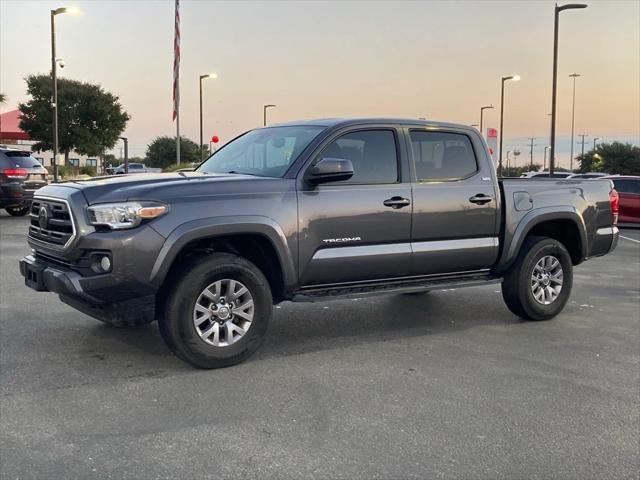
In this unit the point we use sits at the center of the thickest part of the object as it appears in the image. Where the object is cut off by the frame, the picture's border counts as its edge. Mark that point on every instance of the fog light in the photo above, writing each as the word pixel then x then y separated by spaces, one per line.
pixel 105 264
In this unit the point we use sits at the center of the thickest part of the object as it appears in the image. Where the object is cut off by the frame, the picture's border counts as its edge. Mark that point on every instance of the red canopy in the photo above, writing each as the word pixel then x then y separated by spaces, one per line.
pixel 10 126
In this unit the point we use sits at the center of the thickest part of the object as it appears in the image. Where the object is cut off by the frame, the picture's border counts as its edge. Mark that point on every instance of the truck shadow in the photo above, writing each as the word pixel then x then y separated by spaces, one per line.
pixel 303 328
pixel 299 328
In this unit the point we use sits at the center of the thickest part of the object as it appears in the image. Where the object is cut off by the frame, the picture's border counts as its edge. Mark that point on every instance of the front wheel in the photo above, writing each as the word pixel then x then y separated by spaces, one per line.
pixel 538 285
pixel 217 311
pixel 17 211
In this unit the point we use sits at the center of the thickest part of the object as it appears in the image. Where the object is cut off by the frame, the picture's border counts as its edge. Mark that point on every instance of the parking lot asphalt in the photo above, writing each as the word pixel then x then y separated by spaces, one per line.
pixel 444 385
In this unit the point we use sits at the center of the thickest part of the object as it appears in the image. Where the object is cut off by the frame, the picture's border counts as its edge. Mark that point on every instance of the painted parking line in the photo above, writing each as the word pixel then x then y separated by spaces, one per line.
pixel 630 239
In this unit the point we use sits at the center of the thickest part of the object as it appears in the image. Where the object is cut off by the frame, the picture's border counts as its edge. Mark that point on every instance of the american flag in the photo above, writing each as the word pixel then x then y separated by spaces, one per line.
pixel 176 63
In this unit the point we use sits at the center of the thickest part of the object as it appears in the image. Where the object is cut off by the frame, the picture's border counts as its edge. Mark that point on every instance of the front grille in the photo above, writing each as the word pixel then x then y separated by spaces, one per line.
pixel 51 222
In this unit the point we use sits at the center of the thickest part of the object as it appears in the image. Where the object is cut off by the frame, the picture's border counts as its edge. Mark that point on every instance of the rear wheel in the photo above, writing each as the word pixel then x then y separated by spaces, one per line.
pixel 539 283
pixel 217 311
pixel 17 211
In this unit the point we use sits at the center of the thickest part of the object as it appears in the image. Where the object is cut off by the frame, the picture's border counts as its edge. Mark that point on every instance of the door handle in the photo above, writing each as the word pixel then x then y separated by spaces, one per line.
pixel 396 202
pixel 481 199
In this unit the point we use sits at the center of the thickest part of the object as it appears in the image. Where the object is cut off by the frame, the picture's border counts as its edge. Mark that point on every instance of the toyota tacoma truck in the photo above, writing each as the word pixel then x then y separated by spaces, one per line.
pixel 309 211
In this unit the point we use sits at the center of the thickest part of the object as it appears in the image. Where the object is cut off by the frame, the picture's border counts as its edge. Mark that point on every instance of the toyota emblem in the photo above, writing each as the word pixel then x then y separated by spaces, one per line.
pixel 43 217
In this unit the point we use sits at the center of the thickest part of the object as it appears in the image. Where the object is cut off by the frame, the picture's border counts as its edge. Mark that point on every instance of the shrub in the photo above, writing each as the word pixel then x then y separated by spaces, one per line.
pixel 91 171
pixel 178 166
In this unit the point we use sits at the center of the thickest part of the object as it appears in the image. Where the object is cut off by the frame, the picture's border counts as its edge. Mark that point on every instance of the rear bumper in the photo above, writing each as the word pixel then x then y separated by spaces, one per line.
pixel 14 194
pixel 604 241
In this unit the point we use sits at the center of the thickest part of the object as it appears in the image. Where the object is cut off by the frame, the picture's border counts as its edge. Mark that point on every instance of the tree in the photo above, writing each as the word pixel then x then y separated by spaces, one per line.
pixel 3 98
pixel 110 160
pixel 614 158
pixel 161 153
pixel 90 119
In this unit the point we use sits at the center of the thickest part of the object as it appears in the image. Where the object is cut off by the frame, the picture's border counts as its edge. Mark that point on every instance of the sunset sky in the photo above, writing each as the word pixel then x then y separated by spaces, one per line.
pixel 440 60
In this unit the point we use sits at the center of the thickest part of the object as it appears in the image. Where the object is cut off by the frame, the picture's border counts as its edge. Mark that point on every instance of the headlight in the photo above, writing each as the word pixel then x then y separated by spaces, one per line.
pixel 118 216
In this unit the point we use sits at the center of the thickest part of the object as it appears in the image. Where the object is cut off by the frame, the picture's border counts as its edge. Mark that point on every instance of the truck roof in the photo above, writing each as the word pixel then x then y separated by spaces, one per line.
pixel 345 122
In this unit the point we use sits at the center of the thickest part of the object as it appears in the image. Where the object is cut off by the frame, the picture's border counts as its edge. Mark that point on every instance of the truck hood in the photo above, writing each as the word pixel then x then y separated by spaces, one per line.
pixel 160 186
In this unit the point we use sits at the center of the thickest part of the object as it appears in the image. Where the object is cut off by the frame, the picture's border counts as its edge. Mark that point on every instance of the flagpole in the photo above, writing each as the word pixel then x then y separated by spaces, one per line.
pixel 178 137
pixel 176 79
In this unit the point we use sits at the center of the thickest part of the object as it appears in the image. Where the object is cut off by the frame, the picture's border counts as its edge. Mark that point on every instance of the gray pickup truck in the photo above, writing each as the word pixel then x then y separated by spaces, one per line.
pixel 309 211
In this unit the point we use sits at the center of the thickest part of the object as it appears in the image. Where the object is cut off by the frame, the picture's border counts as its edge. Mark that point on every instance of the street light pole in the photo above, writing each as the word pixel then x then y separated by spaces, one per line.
pixel 126 154
pixel 54 96
pixel 482 109
pixel 595 139
pixel 202 77
pixel 544 161
pixel 531 152
pixel 515 78
pixel 573 117
pixel 557 10
pixel 54 85
pixel 264 114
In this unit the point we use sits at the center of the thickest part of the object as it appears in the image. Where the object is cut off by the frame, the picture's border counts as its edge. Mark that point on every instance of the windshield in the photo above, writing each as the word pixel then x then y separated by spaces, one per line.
pixel 266 152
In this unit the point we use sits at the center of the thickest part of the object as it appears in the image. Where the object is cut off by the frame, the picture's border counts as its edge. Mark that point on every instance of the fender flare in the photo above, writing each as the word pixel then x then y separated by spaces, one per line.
pixel 219 226
pixel 536 217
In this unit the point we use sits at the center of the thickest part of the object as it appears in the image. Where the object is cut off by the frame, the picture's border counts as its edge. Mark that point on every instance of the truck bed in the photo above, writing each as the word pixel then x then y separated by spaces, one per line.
pixel 585 201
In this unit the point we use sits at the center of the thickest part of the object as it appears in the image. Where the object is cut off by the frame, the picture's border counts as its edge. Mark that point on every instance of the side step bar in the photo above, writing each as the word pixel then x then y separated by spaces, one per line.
pixel 406 286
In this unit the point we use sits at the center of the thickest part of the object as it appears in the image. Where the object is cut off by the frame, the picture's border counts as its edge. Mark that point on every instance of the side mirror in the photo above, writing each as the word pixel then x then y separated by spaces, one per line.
pixel 330 170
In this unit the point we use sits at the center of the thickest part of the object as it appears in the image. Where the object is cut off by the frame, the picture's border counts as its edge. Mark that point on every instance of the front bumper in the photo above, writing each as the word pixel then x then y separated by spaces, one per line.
pixel 86 294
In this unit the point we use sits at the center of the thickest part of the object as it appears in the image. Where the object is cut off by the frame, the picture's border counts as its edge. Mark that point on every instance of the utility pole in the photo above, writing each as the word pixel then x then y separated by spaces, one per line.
pixel 583 142
pixel 531 152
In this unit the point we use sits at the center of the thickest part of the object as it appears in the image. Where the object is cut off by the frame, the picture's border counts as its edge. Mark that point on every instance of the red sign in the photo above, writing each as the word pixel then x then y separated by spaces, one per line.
pixel 492 133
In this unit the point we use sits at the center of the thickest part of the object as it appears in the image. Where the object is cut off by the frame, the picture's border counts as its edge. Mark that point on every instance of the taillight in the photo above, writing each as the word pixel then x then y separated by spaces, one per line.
pixel 14 172
pixel 614 199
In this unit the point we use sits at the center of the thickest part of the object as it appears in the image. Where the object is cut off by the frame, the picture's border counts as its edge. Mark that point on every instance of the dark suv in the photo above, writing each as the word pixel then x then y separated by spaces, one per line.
pixel 20 176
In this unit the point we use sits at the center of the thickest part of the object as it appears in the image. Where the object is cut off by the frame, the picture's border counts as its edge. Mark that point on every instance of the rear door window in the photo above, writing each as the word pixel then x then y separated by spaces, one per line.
pixel 442 156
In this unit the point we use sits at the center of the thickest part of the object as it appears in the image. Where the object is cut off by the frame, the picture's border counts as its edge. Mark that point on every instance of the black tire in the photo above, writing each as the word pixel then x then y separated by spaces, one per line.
pixel 17 211
pixel 176 315
pixel 517 288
